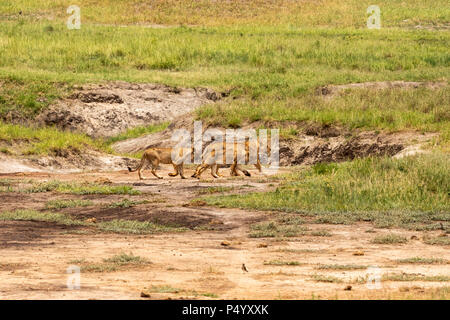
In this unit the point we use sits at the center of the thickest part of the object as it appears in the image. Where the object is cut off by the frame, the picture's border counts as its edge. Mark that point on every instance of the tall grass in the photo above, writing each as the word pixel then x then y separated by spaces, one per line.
pixel 47 140
pixel 335 13
pixel 406 192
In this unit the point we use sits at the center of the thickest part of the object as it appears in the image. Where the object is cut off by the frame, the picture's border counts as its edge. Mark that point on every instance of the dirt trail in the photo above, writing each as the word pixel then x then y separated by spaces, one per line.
pixel 204 262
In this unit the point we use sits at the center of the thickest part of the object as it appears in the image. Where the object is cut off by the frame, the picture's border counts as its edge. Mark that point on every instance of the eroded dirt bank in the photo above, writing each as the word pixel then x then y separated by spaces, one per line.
pixel 106 110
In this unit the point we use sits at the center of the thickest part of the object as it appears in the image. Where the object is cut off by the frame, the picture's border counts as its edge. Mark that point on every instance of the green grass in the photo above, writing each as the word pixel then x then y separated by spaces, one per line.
pixel 71 203
pixel 32 215
pixel 281 263
pixel 327 279
pixel 211 190
pixel 283 226
pixel 114 263
pixel 321 233
pixel 126 203
pixel 164 289
pixel 137 132
pixel 126 259
pixel 80 188
pixel 136 227
pixel 444 241
pixel 271 55
pixel 404 192
pixel 389 239
pixel 341 267
pixel 47 140
pixel 414 277
pixel 421 260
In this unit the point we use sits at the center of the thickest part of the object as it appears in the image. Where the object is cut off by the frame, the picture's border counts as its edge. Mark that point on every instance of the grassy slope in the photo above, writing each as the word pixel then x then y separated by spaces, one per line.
pixel 273 70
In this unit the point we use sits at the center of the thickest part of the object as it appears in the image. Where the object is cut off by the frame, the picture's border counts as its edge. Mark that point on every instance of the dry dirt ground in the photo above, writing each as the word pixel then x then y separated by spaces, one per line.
pixel 203 262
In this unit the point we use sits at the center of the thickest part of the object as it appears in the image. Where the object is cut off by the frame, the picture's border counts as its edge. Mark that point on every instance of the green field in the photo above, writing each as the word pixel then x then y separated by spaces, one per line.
pixel 271 56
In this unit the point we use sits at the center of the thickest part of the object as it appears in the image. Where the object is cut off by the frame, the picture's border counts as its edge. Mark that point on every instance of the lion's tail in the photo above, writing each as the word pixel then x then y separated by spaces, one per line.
pixel 138 167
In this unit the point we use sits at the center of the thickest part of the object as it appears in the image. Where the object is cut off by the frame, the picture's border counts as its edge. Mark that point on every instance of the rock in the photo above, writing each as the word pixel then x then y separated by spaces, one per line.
pixel 348 288
pixel 358 253
pixel 225 243
pixel 262 245
pixel 145 294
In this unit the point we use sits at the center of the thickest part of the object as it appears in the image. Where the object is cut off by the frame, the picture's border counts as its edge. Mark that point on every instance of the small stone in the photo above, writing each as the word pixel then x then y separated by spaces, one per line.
pixel 262 245
pixel 358 253
pixel 225 243
pixel 348 288
pixel 145 294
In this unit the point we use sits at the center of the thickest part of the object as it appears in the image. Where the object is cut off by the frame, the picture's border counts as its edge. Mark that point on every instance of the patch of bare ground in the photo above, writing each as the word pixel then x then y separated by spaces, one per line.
pixel 204 261
pixel 108 109
pixel 309 149
pixel 65 161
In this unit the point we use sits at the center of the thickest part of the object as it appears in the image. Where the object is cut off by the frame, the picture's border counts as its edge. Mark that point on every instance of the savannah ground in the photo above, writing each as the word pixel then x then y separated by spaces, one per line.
pixel 311 231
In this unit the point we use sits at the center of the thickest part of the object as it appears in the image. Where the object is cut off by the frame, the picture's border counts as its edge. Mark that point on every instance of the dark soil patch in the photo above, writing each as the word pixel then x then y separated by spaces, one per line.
pixel 23 233
pixel 172 216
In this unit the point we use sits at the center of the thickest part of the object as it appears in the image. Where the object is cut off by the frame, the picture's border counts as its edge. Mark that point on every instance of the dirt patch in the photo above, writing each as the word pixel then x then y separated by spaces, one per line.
pixel 331 91
pixel 23 233
pixel 310 150
pixel 163 216
pixel 195 263
pixel 108 109
pixel 65 161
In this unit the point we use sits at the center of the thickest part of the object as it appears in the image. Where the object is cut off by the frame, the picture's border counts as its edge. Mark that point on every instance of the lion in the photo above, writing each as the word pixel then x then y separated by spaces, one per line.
pixel 155 156
pixel 210 161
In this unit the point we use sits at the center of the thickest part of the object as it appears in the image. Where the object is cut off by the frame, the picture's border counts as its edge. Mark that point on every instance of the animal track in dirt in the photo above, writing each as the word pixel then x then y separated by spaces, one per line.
pixel 108 109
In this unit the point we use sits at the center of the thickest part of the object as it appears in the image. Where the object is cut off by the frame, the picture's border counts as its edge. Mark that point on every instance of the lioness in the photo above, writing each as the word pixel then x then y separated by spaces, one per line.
pixel 155 156
pixel 210 161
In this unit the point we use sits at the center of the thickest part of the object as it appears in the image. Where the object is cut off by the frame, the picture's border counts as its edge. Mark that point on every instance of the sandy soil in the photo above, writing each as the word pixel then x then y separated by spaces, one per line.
pixel 108 109
pixel 205 261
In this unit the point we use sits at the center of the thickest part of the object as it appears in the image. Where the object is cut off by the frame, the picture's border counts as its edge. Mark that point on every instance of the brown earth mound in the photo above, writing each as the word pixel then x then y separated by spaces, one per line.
pixel 109 109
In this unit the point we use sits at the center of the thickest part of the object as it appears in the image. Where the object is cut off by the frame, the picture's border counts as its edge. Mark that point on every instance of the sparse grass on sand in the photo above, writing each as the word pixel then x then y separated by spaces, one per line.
pixel 114 263
pixel 410 193
pixel 80 188
pixel 341 267
pixel 324 278
pixel 136 227
pixel 281 263
pixel 32 215
pixel 70 203
pixel 390 239
pixel 421 260
pixel 414 277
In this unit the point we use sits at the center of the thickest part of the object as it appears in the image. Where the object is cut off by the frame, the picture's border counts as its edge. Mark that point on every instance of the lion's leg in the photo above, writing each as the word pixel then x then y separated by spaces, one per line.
pixel 233 171
pixel 217 171
pixel 200 170
pixel 214 169
pixel 155 164
pixel 238 167
pixel 141 168
pixel 258 165
pixel 174 174
pixel 181 170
